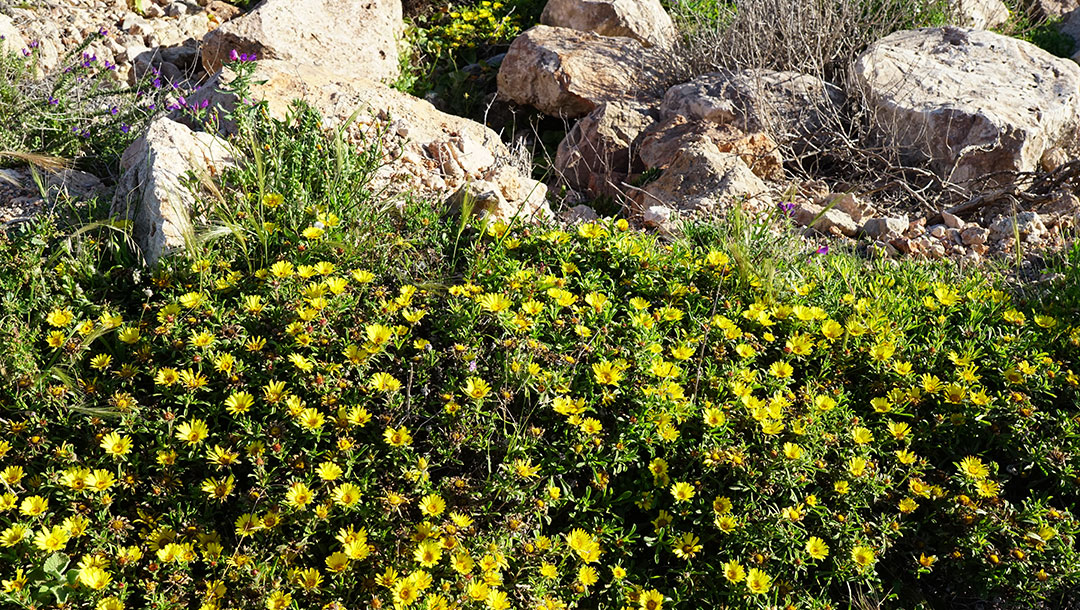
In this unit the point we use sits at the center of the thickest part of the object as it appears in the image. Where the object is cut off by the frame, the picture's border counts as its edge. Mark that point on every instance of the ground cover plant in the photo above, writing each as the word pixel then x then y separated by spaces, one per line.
pixel 376 409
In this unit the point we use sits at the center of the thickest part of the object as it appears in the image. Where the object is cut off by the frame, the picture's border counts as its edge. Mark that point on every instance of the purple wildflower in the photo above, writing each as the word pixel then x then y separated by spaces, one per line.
pixel 822 250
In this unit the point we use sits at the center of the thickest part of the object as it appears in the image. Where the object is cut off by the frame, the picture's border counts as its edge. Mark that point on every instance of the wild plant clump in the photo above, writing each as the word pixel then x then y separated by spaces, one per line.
pixel 78 112
pixel 397 413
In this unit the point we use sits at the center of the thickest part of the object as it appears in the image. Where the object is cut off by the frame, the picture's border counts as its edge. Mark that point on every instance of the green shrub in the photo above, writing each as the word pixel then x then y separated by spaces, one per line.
pixel 388 411
pixel 442 43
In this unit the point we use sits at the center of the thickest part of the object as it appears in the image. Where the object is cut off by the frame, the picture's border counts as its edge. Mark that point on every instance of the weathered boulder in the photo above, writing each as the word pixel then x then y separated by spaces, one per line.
pixel 356 37
pixel 661 143
pixel 701 178
pixel 152 192
pixel 971 102
pixel 643 20
pixel 980 14
pixel 567 73
pixel 425 150
pixel 11 39
pixel 786 105
pixel 599 153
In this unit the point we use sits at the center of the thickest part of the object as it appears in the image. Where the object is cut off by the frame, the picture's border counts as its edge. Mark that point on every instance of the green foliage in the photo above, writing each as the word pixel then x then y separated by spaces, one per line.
pixel 443 43
pixel 1044 34
pixel 77 112
pixel 400 408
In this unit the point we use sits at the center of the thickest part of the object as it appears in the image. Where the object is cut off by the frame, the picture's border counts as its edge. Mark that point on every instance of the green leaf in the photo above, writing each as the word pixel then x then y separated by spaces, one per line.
pixel 56 564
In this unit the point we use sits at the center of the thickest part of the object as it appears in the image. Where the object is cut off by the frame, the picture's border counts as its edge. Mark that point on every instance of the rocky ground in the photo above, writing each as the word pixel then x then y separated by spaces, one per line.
pixel 991 118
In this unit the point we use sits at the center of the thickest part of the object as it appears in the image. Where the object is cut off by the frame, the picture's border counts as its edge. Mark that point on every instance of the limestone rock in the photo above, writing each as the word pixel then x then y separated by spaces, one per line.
pixel 151 191
pixel 787 105
pixel 425 150
pixel 599 153
pixel 567 73
pixel 972 102
pixel 702 178
pixel 886 227
pixel 662 142
pixel 12 41
pixel 829 221
pixel 643 20
pixel 1028 225
pixel 355 37
pixel 981 14
pixel 505 196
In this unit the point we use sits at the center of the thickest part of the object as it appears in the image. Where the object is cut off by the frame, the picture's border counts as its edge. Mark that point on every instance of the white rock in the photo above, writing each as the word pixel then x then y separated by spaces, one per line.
pixel 355 37
pixel 952 221
pixel 981 14
pixel 643 20
pixel 598 154
pixel 12 42
pixel 567 73
pixel 973 102
pixel 151 192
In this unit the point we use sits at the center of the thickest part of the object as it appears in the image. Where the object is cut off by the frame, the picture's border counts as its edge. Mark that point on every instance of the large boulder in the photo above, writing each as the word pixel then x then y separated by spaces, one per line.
pixel 568 73
pixel 427 151
pixel 356 37
pixel 980 14
pixel 643 20
pixel 153 191
pixel 599 154
pixel 787 105
pixel 11 40
pixel 971 102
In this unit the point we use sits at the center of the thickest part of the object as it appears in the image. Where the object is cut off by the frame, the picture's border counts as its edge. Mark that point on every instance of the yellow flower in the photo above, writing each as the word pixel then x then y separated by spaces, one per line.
pixel 816 548
pixel 587 576
pixel 682 491
pixel 329 471
pixel 432 505
pixel 299 495
pixel 781 370
pixel 278 600
pixel 686 546
pixel 239 402
pixel 862 556
pixel 110 603
pixel 607 373
pixel 428 553
pixel 758 582
pixel 128 334
pixel 94 577
pixel 861 435
pixel 714 417
pixel 346 494
pixel 476 388
pixel 792 451
pixel 33 506
pixel 973 468
pixel 116 444
pixel 733 571
pixel 397 437
pixel 15 584
pixel 525 469
pixel 60 317
pixel 273 200
pixel 193 432
pixel 651 600
pixel 51 540
pixel 337 562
